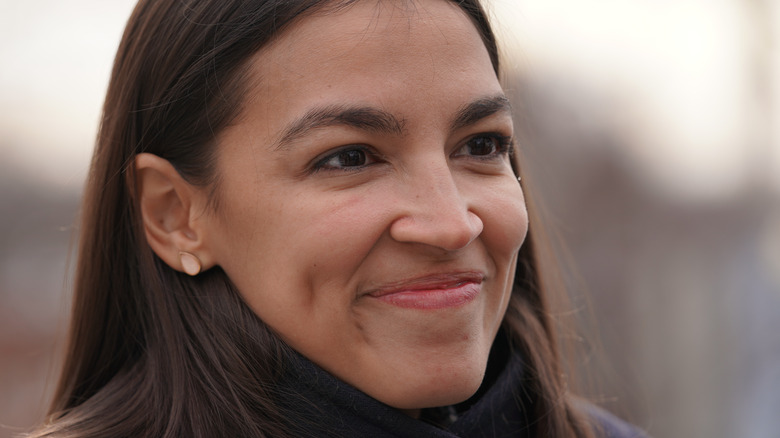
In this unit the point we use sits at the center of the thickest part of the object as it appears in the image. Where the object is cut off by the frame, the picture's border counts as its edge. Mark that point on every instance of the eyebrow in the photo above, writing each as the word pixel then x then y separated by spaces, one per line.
pixel 363 118
pixel 380 121
pixel 480 109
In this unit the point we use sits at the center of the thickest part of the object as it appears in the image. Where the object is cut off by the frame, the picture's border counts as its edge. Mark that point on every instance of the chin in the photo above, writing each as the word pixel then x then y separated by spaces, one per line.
pixel 443 386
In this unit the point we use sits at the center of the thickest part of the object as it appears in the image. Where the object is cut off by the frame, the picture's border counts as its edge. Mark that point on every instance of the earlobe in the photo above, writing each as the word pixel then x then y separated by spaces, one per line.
pixel 171 210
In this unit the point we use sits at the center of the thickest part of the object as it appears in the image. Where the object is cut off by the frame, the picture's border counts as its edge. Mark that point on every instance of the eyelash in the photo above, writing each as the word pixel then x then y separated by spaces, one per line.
pixel 369 155
pixel 504 147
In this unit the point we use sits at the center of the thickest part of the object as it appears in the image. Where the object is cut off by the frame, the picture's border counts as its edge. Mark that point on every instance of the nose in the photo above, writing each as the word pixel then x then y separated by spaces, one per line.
pixel 435 213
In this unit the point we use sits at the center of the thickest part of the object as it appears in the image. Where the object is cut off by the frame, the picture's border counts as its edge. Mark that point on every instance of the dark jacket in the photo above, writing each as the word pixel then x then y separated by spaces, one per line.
pixel 324 406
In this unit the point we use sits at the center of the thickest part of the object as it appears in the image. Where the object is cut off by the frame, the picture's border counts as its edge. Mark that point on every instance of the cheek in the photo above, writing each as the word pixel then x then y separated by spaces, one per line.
pixel 298 246
pixel 505 228
pixel 331 245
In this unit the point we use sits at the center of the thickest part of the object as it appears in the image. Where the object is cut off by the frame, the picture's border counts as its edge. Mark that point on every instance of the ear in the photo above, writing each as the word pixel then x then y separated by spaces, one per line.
pixel 173 213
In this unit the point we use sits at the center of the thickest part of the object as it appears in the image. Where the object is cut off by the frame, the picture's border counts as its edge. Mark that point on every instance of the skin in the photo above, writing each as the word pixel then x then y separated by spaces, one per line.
pixel 314 223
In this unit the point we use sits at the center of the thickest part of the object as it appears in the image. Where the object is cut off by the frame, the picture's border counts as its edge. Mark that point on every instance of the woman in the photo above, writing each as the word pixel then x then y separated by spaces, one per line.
pixel 302 219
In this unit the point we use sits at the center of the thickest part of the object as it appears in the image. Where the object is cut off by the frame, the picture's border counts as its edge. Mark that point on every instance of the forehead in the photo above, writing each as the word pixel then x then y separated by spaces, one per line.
pixel 409 58
pixel 360 36
pixel 370 21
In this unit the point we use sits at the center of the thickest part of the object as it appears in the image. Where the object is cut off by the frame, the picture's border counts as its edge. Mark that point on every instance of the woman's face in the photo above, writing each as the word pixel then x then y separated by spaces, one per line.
pixel 367 210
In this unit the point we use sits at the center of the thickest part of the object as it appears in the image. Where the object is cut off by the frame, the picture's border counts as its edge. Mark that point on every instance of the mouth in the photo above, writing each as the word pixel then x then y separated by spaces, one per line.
pixel 431 292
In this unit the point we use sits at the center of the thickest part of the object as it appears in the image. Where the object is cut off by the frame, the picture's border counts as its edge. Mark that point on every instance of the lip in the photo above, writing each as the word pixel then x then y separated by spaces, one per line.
pixel 438 291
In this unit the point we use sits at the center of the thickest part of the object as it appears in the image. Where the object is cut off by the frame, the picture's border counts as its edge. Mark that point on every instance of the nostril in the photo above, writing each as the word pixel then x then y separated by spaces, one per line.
pixel 458 232
pixel 472 229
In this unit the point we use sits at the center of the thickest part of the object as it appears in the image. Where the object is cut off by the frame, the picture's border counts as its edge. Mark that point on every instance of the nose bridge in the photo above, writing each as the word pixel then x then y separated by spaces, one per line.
pixel 436 212
pixel 439 191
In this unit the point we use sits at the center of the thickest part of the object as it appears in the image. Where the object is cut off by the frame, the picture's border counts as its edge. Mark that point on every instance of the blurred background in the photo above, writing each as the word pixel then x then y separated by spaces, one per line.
pixel 651 130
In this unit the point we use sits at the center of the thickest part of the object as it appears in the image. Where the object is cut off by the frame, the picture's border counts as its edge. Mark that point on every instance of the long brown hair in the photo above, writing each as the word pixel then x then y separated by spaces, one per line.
pixel 153 352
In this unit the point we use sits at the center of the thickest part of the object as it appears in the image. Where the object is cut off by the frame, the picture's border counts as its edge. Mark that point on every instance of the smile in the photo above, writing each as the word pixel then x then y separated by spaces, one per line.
pixel 432 292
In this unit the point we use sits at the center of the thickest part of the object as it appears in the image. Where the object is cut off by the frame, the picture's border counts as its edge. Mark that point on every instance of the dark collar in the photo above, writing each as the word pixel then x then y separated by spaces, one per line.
pixel 320 405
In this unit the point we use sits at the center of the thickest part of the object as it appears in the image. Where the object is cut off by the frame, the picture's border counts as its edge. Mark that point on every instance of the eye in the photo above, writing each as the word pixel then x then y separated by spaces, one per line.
pixel 486 146
pixel 347 158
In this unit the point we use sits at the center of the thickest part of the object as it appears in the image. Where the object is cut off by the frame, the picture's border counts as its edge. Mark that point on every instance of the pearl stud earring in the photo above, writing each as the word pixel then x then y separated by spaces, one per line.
pixel 189 263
